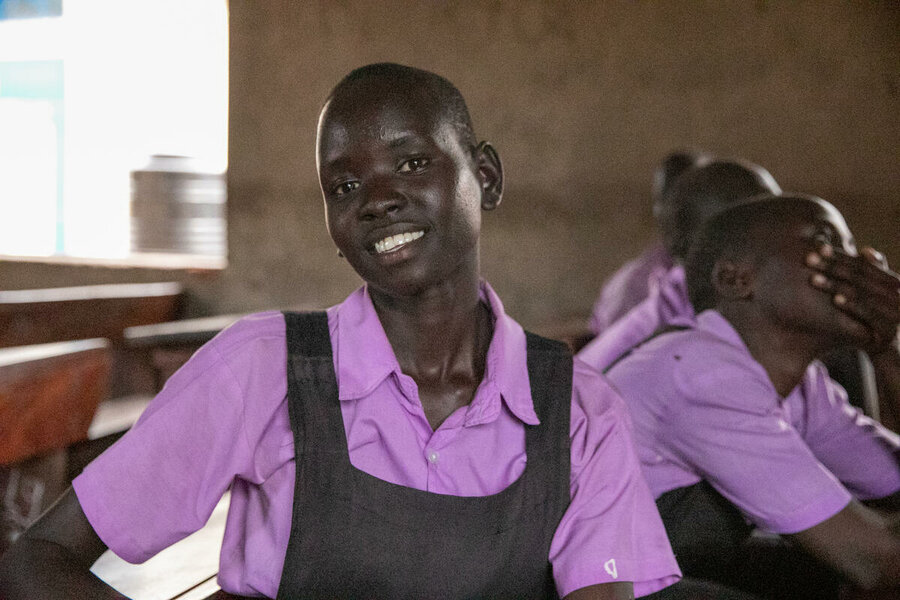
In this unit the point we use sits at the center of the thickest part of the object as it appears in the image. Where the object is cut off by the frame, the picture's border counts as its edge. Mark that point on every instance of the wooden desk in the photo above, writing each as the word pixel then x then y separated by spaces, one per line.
pixel 58 314
pixel 48 395
pixel 41 316
pixel 176 334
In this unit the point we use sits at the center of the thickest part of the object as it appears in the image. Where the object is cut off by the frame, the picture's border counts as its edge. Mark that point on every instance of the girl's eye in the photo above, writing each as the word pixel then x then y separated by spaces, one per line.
pixel 345 187
pixel 413 165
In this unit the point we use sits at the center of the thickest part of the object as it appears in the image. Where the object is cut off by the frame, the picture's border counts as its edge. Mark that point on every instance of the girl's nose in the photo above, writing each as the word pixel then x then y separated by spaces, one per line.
pixel 381 198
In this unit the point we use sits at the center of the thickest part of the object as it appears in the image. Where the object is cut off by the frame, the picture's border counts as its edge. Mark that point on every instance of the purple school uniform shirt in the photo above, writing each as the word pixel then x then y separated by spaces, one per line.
pixel 629 286
pixel 222 421
pixel 667 304
pixel 710 412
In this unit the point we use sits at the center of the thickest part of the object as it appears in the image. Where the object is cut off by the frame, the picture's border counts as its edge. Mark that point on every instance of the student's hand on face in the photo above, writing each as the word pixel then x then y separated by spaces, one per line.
pixel 865 288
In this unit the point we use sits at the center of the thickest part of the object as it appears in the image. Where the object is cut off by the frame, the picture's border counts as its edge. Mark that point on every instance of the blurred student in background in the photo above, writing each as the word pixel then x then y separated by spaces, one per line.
pixel 628 286
pixel 736 421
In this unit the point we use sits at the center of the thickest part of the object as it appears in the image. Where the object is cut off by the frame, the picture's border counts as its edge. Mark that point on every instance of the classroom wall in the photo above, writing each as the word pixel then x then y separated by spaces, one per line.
pixel 581 99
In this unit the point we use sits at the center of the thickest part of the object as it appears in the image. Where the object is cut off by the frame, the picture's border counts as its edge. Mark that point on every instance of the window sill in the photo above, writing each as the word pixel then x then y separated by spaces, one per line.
pixel 187 262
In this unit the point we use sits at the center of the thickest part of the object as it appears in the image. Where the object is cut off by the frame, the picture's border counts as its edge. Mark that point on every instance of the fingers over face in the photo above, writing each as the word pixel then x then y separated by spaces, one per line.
pixel 862 287
pixel 862 272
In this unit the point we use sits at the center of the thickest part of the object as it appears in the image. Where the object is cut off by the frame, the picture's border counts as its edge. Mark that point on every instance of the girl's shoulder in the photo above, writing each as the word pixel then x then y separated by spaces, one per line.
pixel 260 326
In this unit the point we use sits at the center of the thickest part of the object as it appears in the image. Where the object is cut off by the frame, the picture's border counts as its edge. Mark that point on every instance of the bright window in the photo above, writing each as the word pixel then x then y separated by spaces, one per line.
pixel 90 95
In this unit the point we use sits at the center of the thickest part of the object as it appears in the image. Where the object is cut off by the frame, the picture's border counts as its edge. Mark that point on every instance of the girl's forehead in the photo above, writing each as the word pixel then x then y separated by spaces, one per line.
pixel 384 122
pixel 366 107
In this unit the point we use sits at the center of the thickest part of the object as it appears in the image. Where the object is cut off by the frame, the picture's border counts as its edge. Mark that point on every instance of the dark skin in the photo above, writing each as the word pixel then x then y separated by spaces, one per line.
pixel 389 164
pixel 811 294
pixel 53 557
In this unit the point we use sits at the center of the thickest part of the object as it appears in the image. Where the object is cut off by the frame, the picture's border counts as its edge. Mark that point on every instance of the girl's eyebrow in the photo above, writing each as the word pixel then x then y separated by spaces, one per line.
pixel 400 140
pixel 335 164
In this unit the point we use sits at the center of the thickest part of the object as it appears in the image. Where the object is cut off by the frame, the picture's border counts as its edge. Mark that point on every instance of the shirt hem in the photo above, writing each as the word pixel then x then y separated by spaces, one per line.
pixel 93 509
pixel 647 577
pixel 822 510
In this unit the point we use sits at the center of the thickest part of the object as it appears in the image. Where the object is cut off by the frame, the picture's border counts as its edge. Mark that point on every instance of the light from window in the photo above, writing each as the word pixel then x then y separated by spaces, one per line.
pixel 90 96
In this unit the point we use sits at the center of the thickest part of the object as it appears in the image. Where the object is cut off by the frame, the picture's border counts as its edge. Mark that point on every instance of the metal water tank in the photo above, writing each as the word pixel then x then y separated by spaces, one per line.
pixel 176 207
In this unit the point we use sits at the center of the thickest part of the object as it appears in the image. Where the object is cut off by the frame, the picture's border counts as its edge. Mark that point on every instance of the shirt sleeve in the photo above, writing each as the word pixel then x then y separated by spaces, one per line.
pixel 728 423
pixel 611 530
pixel 161 481
pixel 863 455
pixel 631 329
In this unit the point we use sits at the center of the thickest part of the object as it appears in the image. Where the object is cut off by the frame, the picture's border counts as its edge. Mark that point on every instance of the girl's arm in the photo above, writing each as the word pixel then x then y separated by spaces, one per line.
pixel 53 558
pixel 621 590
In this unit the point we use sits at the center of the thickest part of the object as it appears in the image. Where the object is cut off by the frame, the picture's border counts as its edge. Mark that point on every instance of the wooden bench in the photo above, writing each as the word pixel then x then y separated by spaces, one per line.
pixel 41 316
pixel 58 314
pixel 48 395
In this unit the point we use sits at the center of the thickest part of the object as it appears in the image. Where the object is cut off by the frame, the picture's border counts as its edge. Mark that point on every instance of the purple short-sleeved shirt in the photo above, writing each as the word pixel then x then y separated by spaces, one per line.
pixel 222 421
pixel 667 304
pixel 711 413
pixel 628 286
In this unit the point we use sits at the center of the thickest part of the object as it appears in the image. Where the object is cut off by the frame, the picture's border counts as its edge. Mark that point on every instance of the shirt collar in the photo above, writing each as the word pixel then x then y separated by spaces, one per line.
pixel 506 364
pixel 671 295
pixel 364 358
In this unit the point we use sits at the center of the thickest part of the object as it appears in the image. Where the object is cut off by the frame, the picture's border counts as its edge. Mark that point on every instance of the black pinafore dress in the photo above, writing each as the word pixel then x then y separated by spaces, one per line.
pixel 356 536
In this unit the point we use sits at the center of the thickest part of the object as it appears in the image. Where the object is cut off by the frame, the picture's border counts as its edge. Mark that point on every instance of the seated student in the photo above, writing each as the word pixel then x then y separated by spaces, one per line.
pixel 739 422
pixel 633 281
pixel 696 195
pixel 414 442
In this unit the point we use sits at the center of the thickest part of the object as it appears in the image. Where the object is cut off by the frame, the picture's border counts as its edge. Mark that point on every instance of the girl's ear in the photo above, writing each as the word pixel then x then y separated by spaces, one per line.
pixel 733 279
pixel 490 172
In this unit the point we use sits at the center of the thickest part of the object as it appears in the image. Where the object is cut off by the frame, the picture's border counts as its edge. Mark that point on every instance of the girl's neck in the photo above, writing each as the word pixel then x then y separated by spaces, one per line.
pixel 440 333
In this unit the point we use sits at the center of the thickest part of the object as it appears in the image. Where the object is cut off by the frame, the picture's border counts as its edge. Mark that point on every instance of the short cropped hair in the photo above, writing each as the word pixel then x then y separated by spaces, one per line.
pixel 745 231
pixel 443 93
pixel 671 167
pixel 707 189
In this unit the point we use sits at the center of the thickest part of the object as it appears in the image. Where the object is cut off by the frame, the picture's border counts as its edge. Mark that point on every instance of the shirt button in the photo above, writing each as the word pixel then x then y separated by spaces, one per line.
pixel 433 457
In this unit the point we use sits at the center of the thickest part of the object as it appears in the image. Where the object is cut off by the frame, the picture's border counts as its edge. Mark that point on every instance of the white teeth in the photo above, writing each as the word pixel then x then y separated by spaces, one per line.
pixel 393 241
